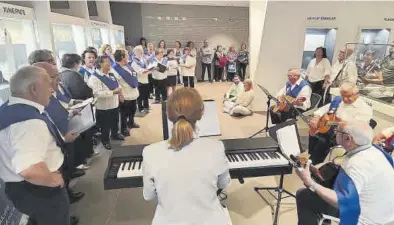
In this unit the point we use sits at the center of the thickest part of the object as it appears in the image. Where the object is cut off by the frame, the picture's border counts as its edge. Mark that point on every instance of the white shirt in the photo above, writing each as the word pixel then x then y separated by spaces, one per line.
pixel 128 92
pixel 317 72
pixel 27 143
pixel 142 77
pixel 358 110
pixel 185 182
pixel 373 177
pixel 349 72
pixel 155 73
pixel 306 92
pixel 106 99
pixel 172 68
pixel 190 61
pixel 85 76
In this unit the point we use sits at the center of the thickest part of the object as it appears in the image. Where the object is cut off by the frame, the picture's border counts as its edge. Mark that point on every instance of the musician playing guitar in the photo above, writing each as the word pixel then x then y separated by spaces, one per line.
pixel 297 91
pixel 387 138
pixel 348 106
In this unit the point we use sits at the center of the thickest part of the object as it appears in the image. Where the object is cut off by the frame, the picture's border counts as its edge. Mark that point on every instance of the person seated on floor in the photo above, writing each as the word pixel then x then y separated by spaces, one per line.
pixel 299 90
pixel 178 201
pixel 362 192
pixel 345 107
pixel 242 106
pixel 235 90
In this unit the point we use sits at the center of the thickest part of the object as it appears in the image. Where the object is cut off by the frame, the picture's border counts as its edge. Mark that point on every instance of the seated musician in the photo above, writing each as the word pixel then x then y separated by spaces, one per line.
pixel 173 173
pixel 362 192
pixel 242 106
pixel 347 106
pixel 386 136
pixel 235 90
pixel 344 70
pixel 369 71
pixel 298 89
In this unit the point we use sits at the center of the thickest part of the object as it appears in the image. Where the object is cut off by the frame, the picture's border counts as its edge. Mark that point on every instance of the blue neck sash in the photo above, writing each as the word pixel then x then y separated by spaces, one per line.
pixel 129 78
pixel 335 104
pixel 109 81
pixel 66 97
pixel 140 63
pixel 58 114
pixel 11 114
pixel 82 70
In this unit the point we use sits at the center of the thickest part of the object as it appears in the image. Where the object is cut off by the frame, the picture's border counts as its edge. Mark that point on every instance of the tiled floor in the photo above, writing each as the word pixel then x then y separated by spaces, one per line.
pixel 127 206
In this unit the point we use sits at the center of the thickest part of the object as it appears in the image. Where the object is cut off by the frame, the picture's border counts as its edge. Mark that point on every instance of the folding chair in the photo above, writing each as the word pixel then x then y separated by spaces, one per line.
pixel 315 100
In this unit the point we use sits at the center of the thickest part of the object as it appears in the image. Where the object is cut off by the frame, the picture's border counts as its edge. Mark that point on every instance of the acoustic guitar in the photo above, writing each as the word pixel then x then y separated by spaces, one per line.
pixel 324 125
pixel 283 104
pixel 387 144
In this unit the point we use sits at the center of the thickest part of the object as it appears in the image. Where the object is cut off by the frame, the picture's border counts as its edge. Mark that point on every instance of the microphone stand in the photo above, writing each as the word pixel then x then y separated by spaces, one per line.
pixel 270 97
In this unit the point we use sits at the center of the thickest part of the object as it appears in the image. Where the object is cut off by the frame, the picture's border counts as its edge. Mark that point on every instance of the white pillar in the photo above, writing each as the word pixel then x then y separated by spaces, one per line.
pixel 42 12
pixel 257 14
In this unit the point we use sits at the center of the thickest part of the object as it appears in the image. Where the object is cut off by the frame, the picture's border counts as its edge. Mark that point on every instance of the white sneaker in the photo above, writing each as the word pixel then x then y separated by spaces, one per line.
pixel 83 167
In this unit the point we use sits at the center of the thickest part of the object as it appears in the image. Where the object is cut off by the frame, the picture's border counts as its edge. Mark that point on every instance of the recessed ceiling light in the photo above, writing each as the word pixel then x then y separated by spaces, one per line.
pixel 168 18
pixel 159 17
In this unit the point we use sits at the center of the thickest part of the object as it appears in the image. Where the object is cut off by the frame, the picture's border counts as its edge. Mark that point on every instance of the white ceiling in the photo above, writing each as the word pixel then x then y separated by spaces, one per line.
pixel 244 3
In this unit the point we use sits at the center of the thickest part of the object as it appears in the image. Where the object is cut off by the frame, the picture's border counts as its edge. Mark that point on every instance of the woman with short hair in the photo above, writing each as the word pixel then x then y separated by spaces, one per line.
pixel 106 50
pixel 190 196
pixel 172 71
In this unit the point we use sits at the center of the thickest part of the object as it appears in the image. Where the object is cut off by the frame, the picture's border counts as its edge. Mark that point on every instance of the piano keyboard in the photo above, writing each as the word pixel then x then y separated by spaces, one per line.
pixel 252 157
pixel 255 159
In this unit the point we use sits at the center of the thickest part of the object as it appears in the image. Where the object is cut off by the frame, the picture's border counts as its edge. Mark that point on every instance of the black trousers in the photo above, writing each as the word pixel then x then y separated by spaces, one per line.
pixel 218 73
pixel 230 76
pixel 43 205
pixel 151 83
pixel 319 146
pixel 83 147
pixel 317 88
pixel 208 67
pixel 143 99
pixel 127 113
pixel 310 207
pixel 188 81
pixel 108 121
pixel 242 70
pixel 280 117
pixel 161 89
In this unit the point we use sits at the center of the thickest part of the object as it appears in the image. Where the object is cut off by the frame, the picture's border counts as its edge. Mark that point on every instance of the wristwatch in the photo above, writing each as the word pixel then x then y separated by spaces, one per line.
pixel 312 187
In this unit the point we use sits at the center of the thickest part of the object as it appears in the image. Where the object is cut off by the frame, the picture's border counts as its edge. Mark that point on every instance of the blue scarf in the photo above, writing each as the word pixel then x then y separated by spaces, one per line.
pixel 58 114
pixel 66 97
pixel 82 70
pixel 140 63
pixel 129 78
pixel 11 114
pixel 109 81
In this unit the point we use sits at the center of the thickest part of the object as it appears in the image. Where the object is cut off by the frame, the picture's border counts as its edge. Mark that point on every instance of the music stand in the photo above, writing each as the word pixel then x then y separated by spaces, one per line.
pixel 279 189
pixel 270 97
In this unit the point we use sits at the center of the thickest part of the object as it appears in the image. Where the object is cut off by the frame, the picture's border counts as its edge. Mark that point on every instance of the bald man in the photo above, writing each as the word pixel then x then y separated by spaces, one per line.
pixel 297 88
pixel 30 150
pixel 344 70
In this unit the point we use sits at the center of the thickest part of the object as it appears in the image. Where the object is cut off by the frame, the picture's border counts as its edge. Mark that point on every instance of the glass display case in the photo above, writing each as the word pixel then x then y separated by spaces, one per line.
pixel 375 69
pixel 99 36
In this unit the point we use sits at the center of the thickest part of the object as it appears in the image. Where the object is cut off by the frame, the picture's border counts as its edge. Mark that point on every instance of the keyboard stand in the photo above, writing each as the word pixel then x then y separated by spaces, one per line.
pixel 278 198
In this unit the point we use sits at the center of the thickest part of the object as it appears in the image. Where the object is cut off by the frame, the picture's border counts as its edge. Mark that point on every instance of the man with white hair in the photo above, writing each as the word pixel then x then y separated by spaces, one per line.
pixel 348 106
pixel 30 150
pixel 362 193
pixel 140 65
pixel 297 88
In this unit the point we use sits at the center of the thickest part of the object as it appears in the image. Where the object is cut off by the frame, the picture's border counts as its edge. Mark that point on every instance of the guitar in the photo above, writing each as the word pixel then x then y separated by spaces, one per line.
pixel 283 104
pixel 325 123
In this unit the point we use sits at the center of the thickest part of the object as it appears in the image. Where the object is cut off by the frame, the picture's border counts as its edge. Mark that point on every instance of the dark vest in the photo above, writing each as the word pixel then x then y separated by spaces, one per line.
pixel 66 97
pixel 11 114
pixel 297 89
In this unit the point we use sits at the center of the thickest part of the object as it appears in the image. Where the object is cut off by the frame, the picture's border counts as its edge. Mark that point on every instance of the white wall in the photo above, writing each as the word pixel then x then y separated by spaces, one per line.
pixel 284 30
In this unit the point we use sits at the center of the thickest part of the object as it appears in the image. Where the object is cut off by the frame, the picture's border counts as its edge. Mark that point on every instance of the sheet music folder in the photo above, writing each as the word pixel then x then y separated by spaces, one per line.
pixel 162 68
pixel 286 134
pixel 80 123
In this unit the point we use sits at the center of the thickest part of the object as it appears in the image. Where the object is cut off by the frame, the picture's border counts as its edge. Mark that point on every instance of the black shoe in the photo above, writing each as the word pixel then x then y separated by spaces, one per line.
pixel 156 102
pixel 77 173
pixel 126 133
pixel 94 140
pixel 75 196
pixel 107 146
pixel 74 220
pixel 118 137
pixel 133 125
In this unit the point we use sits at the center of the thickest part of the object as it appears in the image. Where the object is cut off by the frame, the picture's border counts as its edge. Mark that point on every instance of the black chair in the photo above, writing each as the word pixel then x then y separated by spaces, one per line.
pixel 373 123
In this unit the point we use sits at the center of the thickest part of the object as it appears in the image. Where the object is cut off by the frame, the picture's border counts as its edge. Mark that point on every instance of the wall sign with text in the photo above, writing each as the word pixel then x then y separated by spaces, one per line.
pixel 17 12
pixel 321 18
pixel 389 19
